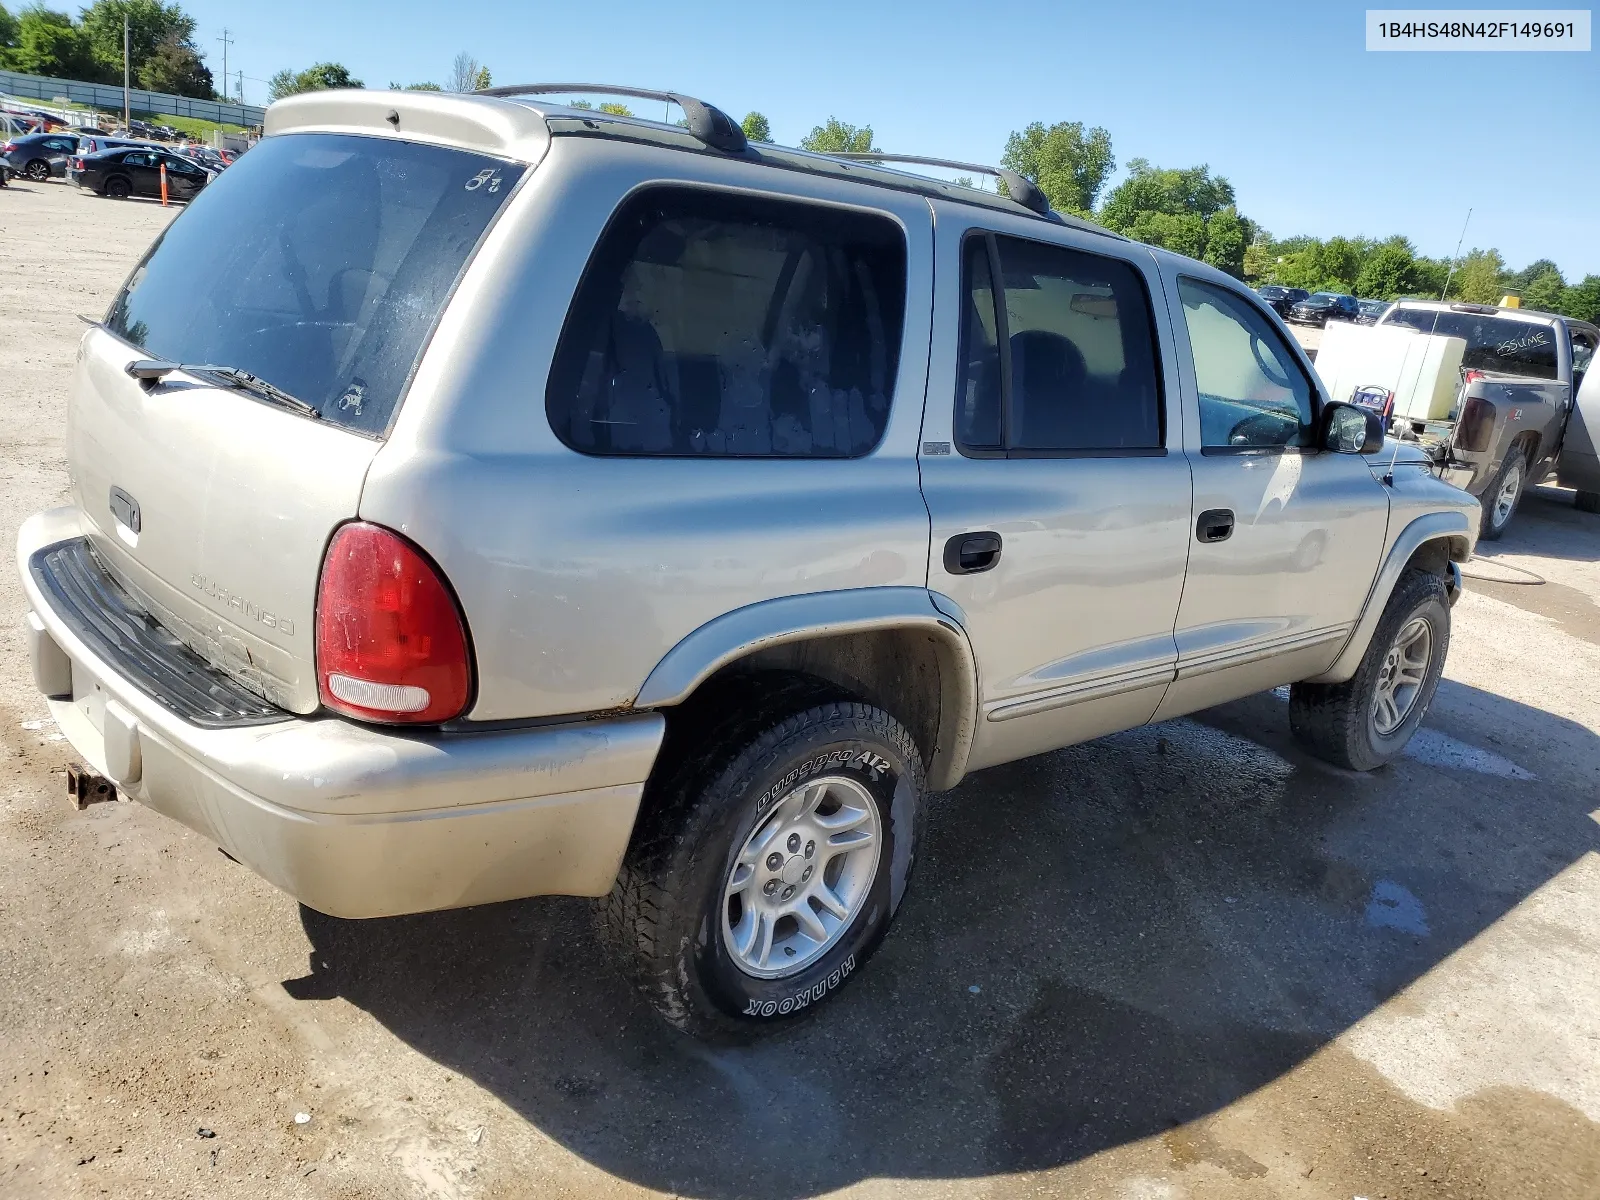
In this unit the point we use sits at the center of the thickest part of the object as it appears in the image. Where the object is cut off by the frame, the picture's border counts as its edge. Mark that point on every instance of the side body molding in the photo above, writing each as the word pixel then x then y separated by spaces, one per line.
pixel 819 615
pixel 1449 526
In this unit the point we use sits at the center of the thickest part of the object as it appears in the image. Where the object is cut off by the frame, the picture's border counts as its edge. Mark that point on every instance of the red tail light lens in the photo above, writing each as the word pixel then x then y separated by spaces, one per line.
pixel 1475 425
pixel 391 644
pixel 8 148
pixel 1471 376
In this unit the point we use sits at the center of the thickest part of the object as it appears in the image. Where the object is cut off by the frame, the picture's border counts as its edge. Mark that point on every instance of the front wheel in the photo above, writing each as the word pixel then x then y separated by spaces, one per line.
pixel 118 188
pixel 1367 721
pixel 1500 498
pixel 758 884
pixel 38 170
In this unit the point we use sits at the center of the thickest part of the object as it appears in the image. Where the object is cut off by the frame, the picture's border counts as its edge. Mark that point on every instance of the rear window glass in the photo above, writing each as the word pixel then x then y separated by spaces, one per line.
pixel 1079 347
pixel 1501 344
pixel 318 262
pixel 710 324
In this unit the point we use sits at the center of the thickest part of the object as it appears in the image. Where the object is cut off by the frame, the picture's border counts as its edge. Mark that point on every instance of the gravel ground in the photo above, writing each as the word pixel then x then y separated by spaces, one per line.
pixel 1187 961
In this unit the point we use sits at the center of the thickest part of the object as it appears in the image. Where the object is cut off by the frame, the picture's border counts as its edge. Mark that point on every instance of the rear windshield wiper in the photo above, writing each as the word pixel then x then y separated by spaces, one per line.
pixel 151 369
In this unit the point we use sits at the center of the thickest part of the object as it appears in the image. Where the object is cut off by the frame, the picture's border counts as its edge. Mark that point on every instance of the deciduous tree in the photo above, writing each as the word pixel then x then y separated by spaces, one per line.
pixel 1069 164
pixel 756 127
pixel 837 137
pixel 313 79
pixel 1582 300
pixel 1480 278
pixel 175 68
pixel 48 43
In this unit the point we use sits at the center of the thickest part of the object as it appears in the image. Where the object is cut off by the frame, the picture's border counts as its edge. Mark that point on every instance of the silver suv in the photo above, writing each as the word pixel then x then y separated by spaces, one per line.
pixel 530 500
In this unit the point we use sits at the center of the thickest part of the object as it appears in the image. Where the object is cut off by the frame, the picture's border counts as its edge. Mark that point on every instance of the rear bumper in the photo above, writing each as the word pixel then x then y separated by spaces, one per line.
pixel 352 820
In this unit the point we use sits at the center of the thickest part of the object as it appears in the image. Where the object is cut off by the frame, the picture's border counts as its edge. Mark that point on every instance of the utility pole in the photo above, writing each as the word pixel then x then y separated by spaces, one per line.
pixel 127 106
pixel 241 85
pixel 226 42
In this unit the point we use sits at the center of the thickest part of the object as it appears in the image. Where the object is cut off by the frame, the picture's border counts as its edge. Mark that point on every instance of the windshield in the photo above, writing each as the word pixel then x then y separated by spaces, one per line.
pixel 318 262
pixel 1323 298
pixel 1273 292
pixel 1501 344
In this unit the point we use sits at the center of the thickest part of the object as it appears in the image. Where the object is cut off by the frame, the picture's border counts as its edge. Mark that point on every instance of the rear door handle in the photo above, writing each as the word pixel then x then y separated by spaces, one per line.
pixel 970 553
pixel 1214 525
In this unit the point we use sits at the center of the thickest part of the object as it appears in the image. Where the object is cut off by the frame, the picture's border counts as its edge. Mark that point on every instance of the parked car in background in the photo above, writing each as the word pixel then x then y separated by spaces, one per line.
pixel 205 156
pixel 1322 307
pixel 40 155
pixel 94 143
pixel 137 172
pixel 1370 312
pixel 1281 298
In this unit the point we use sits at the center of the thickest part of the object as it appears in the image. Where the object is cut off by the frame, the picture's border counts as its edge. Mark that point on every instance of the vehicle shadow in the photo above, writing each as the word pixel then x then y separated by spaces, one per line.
pixel 1546 523
pixel 1099 944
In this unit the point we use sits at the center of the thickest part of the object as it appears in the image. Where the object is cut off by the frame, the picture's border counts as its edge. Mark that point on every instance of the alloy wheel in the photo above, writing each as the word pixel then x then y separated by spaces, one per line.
pixel 1402 676
pixel 801 878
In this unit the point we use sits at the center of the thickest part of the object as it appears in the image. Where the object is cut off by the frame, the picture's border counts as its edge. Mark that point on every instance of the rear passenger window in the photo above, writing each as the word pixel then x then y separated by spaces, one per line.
pixel 710 324
pixel 1067 365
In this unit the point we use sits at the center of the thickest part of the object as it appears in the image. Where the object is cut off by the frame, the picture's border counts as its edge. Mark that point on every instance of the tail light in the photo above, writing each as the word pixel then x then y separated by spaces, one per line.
pixel 8 148
pixel 1472 376
pixel 1475 425
pixel 391 643
pixel 77 164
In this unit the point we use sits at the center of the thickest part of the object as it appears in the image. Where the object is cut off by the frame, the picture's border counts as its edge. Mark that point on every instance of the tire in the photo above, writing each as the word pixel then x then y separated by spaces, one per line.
pixel 118 188
pixel 1587 502
pixel 1500 499
pixel 1341 723
pixel 38 170
pixel 676 917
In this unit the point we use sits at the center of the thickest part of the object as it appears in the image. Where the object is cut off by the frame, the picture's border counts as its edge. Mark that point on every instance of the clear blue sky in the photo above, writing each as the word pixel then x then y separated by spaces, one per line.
pixel 1317 135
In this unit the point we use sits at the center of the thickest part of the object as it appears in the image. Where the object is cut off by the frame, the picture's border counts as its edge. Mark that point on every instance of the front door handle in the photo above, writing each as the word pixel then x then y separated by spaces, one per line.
pixel 1214 525
pixel 970 553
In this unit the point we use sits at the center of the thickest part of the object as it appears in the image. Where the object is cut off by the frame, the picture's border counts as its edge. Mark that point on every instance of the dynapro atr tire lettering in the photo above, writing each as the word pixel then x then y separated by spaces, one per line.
pixel 810 995
pixel 873 763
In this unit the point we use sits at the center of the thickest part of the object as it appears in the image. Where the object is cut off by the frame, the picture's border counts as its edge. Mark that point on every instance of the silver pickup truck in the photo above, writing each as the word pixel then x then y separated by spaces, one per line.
pixel 1528 407
pixel 531 500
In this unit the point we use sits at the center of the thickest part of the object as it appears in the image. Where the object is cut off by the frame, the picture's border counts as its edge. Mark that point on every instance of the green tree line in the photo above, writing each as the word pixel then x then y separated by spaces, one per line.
pixel 162 55
pixel 1191 211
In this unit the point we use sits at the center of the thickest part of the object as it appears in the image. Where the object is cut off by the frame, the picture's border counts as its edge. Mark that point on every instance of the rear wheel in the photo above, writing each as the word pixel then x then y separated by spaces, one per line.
pixel 38 170
pixel 118 188
pixel 767 870
pixel 1588 502
pixel 1366 721
pixel 1500 498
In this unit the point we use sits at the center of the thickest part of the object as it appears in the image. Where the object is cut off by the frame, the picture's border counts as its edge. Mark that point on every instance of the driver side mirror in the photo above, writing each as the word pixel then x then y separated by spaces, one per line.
pixel 1347 429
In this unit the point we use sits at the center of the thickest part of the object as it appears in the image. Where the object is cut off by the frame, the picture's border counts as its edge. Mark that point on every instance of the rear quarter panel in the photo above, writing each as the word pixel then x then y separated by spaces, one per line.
pixel 578 573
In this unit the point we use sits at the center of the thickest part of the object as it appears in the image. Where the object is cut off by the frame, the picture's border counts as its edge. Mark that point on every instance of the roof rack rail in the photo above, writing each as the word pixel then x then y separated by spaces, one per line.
pixel 1024 191
pixel 711 125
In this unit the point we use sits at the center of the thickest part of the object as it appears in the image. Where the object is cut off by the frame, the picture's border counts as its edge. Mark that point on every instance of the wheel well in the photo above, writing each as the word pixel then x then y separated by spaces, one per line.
pixel 1528 443
pixel 1433 557
pixel 914 675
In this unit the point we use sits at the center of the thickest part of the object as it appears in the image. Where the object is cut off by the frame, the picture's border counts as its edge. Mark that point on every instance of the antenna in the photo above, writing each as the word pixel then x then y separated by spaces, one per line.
pixel 1453 260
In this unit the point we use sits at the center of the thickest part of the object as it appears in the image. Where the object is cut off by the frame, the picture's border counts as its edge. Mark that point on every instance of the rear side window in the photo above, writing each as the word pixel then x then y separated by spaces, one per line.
pixel 320 263
pixel 710 324
pixel 1060 359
